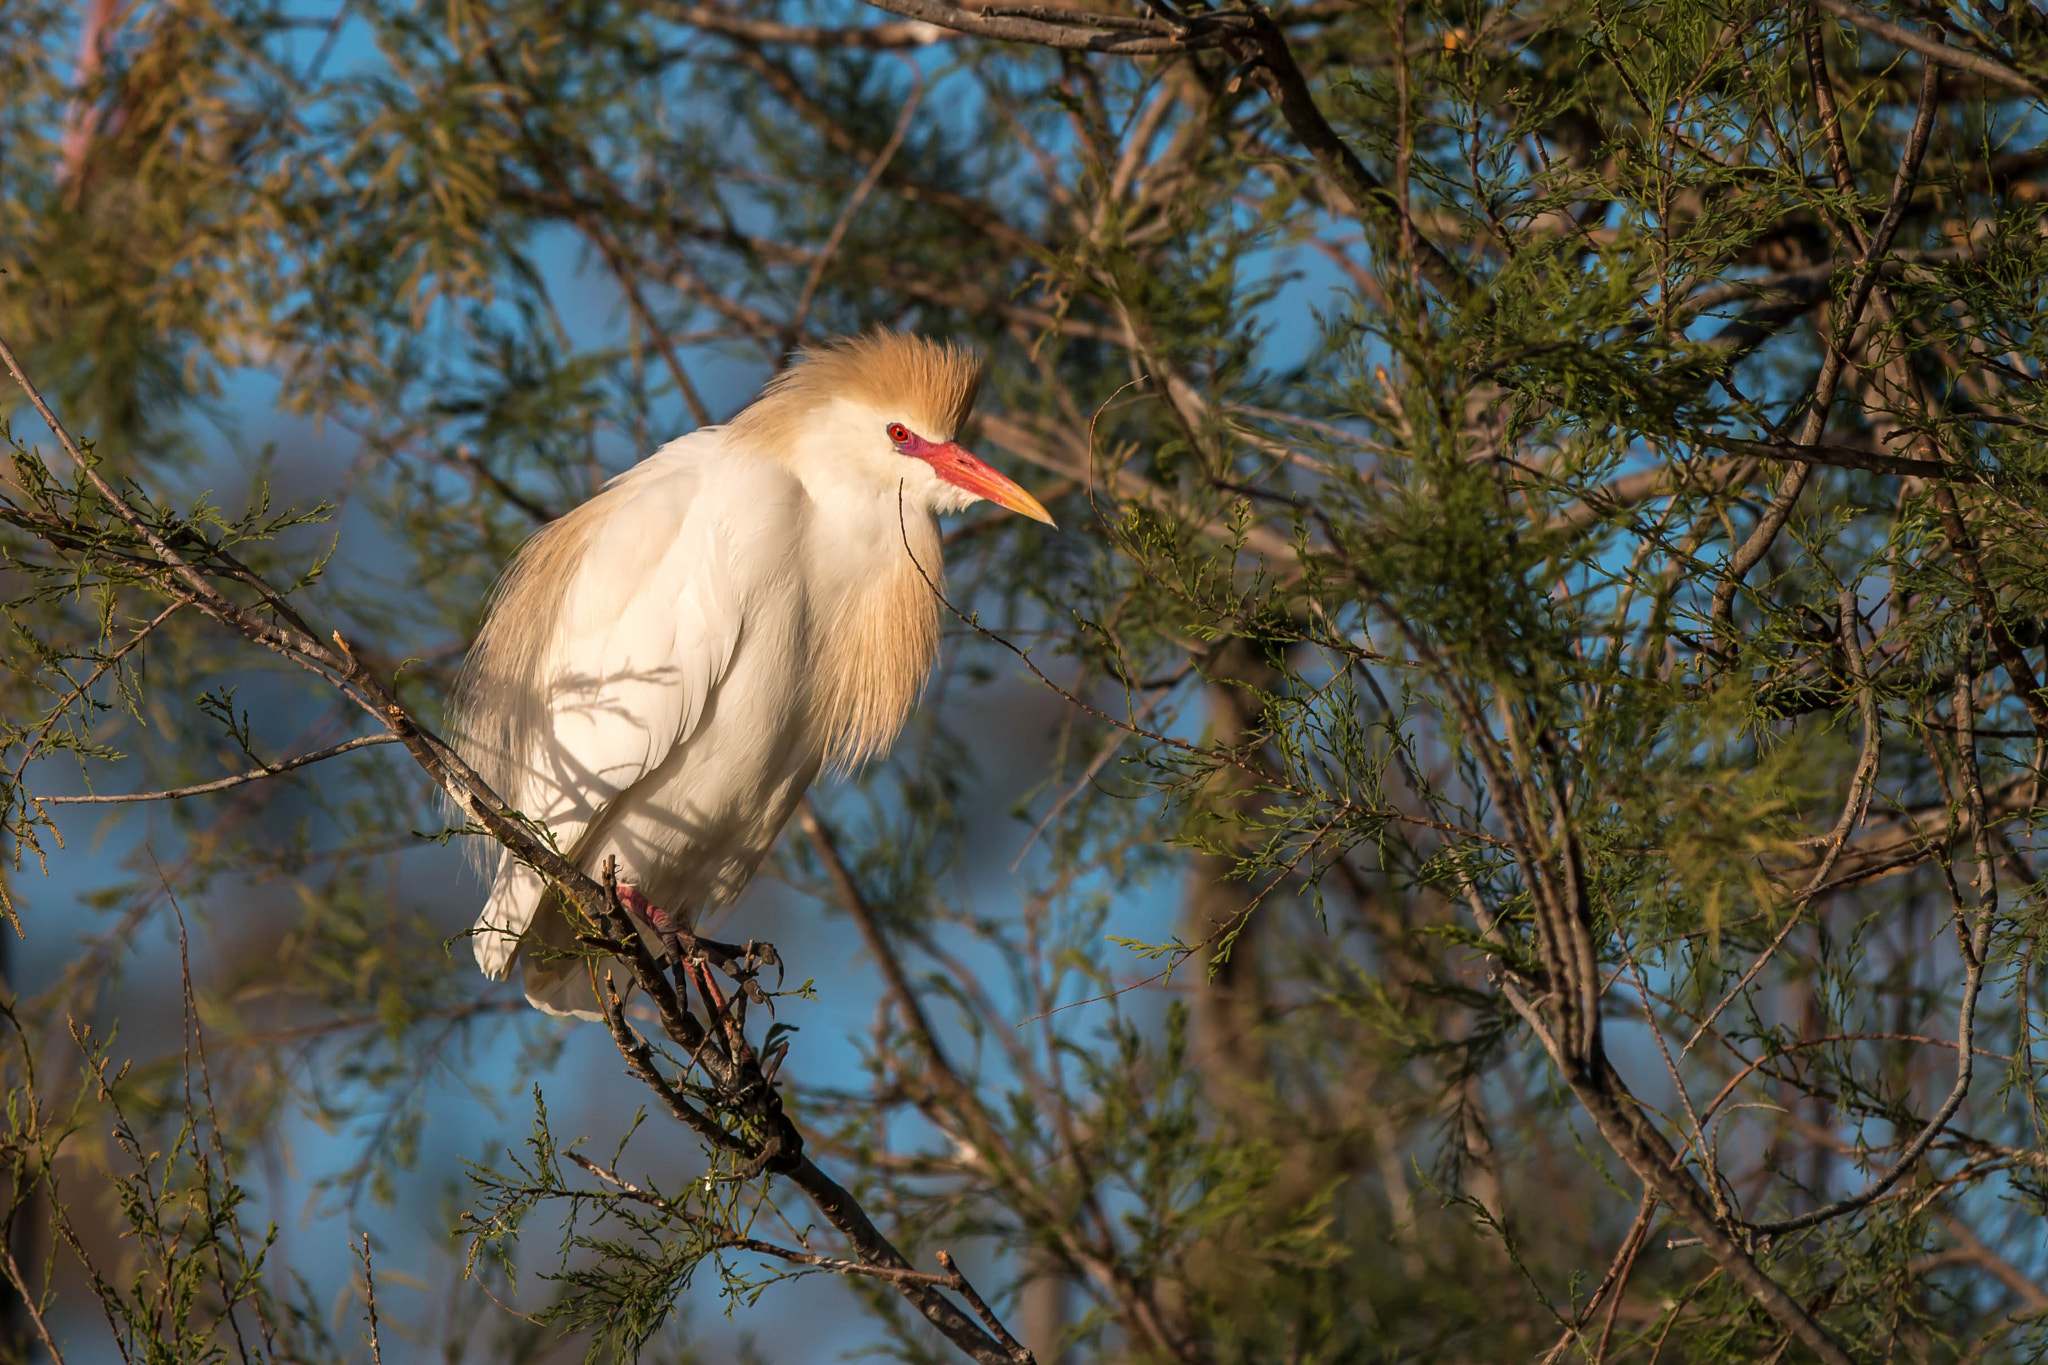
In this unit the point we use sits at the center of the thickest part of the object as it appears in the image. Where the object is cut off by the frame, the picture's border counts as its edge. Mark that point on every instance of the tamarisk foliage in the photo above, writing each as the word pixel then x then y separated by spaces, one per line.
pixel 1552 601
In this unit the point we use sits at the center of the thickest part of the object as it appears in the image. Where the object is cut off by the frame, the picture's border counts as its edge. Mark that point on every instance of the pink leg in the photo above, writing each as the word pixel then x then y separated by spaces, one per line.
pixel 637 904
pixel 700 972
pixel 644 909
pixel 671 934
pixel 721 1010
pixel 750 953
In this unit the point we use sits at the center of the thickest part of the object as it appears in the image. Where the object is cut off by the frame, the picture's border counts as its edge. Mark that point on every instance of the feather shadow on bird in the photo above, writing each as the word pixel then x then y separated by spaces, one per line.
pixel 662 673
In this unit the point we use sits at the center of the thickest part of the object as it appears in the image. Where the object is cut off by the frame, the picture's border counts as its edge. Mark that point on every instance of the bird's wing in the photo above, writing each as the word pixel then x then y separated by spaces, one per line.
pixel 646 625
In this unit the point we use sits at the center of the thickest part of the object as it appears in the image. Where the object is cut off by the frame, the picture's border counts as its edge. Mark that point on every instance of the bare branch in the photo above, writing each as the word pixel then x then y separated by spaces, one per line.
pixel 222 784
pixel 874 37
pixel 1260 47
pixel 794 328
pixel 1078 30
pixel 30 1303
pixel 1932 48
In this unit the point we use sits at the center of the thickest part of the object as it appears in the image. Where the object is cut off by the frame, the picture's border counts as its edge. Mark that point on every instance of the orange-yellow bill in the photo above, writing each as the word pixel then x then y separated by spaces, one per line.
pixel 964 471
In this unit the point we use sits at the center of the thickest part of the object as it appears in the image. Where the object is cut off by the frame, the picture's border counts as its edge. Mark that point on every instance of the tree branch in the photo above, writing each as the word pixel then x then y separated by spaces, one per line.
pixel 1079 30
pixel 1252 39
pixel 1931 48
pixel 873 37
pixel 222 784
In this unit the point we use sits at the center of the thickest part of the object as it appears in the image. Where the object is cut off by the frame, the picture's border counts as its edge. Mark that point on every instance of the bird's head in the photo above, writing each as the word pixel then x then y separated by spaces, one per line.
pixel 885 408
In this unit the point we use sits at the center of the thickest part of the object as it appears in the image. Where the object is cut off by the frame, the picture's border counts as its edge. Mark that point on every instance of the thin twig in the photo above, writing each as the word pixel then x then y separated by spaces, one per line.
pixel 1974 942
pixel 872 37
pixel 1617 1270
pixel 1752 550
pixel 370 1300
pixel 222 784
pixel 738 1241
pixel 1698 1139
pixel 794 329
pixel 28 1301
pixel 856 904
pixel 195 1044
pixel 995 1324
pixel 1088 774
pixel 99 671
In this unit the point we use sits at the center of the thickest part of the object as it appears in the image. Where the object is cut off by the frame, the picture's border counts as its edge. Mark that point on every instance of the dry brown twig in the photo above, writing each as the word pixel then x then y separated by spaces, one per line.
pixel 370 1300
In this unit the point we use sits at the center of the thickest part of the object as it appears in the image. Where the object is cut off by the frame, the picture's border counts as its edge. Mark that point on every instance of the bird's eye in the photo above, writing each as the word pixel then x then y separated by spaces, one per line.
pixel 898 433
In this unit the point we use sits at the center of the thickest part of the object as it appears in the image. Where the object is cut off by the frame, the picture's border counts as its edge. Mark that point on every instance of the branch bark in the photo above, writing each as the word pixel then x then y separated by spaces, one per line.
pixel 1931 48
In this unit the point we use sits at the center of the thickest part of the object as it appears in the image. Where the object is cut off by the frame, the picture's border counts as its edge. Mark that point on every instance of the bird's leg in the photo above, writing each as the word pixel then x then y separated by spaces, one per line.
pixel 729 1013
pixel 686 951
pixel 738 961
pixel 666 929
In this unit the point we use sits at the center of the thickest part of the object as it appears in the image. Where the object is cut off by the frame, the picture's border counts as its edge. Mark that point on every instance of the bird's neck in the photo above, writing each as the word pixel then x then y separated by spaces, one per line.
pixel 880 636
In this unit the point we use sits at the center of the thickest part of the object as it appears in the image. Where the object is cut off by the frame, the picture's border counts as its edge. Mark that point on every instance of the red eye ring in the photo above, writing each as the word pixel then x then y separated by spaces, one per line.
pixel 899 433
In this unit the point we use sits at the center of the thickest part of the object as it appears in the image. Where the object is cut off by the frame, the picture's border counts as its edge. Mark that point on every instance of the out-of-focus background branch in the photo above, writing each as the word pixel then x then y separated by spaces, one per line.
pixel 1515 838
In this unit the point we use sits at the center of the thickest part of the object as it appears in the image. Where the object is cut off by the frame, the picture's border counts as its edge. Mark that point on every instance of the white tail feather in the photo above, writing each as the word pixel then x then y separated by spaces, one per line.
pixel 515 897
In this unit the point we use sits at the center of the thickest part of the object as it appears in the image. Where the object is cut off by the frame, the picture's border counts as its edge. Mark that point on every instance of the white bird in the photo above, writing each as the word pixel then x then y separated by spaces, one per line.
pixel 663 671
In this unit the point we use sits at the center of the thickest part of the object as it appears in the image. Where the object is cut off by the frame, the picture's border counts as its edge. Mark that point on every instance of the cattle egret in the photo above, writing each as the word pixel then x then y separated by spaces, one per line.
pixel 662 672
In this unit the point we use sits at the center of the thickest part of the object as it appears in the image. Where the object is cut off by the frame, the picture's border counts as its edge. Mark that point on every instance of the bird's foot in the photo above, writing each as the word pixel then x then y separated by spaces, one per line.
pixel 741 962
pixel 730 1015
pixel 693 960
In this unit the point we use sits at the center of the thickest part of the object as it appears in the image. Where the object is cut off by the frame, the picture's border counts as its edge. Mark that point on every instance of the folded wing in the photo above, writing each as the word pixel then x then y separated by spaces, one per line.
pixel 600 652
